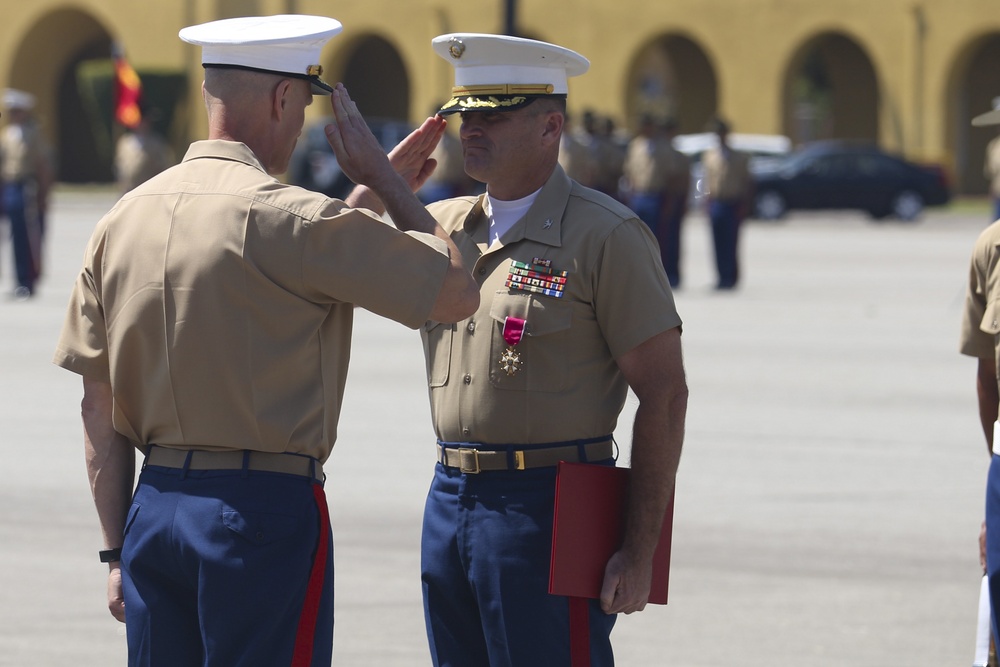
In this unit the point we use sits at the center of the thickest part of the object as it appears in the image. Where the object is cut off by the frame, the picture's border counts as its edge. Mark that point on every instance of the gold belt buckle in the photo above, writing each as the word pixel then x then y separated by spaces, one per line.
pixel 468 460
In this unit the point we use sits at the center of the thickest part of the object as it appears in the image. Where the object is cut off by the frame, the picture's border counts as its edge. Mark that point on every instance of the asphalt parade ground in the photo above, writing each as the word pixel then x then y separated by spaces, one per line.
pixel 828 504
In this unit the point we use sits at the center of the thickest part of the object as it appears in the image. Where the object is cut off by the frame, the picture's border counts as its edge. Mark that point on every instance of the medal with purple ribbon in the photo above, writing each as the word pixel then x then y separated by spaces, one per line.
pixel 510 360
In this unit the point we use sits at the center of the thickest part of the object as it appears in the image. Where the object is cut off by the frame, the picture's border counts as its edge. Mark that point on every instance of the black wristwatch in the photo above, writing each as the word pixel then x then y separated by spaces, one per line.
pixel 110 555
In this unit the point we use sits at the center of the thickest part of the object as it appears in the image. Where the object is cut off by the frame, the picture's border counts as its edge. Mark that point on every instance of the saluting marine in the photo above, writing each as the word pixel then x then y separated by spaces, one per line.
pixel 211 323
pixel 540 372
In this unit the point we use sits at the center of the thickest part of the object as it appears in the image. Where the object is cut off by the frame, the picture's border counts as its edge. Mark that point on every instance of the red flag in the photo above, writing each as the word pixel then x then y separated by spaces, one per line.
pixel 128 92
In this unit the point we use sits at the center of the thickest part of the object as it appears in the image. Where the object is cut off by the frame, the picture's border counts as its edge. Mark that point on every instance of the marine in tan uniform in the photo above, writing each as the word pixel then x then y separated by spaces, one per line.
pixel 211 323
pixel 575 309
pixel 980 338
pixel 576 157
pixel 610 158
pixel 730 192
pixel 26 174
pixel 140 154
pixel 658 178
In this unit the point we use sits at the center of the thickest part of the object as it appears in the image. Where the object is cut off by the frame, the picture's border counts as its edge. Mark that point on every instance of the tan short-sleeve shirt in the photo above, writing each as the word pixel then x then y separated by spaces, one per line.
pixel 653 165
pixel 218 302
pixel 981 319
pixel 138 158
pixel 569 387
pixel 21 152
pixel 727 174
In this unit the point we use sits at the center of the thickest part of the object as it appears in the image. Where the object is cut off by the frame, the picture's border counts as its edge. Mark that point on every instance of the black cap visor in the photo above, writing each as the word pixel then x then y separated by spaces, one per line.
pixel 319 86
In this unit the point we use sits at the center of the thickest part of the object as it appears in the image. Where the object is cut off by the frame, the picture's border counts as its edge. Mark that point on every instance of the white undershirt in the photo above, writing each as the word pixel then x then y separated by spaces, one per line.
pixel 504 214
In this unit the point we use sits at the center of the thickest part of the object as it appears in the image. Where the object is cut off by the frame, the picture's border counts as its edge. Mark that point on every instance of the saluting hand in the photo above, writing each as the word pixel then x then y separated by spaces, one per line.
pixel 411 158
pixel 358 152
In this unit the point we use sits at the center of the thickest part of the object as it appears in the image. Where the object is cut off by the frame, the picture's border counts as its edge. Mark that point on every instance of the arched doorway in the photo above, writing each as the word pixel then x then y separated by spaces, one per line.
pixel 831 92
pixel 376 78
pixel 975 83
pixel 671 77
pixel 46 64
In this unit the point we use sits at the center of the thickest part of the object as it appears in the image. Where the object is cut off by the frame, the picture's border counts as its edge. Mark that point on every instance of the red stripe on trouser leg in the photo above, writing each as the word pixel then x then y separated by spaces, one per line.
pixel 304 637
pixel 579 632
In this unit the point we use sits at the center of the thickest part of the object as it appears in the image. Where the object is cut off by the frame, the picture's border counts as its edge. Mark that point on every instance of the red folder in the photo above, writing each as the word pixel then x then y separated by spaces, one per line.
pixel 589 526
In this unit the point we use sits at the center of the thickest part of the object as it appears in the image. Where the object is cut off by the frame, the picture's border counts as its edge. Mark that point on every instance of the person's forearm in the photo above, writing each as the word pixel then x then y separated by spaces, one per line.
pixel 988 395
pixel 111 471
pixel 658 434
pixel 363 197
pixel 110 461
pixel 459 295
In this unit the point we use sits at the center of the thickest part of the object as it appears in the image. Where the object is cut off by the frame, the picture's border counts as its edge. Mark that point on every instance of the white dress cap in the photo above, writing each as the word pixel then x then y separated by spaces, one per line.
pixel 288 44
pixel 18 99
pixel 499 72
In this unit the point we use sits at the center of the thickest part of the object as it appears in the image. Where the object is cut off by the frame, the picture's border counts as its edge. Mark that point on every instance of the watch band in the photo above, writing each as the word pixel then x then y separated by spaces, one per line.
pixel 110 555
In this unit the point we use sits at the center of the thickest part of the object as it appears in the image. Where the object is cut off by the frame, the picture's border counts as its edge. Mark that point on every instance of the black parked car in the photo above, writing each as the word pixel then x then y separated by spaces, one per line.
pixel 314 166
pixel 833 175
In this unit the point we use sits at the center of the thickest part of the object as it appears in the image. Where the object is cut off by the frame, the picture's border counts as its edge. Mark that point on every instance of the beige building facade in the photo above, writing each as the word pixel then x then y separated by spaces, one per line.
pixel 906 74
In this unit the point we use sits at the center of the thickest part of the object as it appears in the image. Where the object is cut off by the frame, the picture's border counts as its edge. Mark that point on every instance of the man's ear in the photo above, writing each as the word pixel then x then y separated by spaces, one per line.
pixel 554 121
pixel 280 98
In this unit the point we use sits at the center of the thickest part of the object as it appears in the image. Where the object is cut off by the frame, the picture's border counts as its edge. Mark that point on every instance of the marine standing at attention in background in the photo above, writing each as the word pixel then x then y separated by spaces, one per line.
pixel 27 176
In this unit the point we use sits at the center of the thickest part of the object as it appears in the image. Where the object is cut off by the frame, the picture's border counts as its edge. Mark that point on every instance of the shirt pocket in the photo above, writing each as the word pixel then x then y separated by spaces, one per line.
pixel 437 352
pixel 543 351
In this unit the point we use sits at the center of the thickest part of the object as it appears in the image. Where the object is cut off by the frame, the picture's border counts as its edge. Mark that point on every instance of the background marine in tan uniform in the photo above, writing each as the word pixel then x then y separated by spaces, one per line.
pixel 658 180
pixel 981 339
pixel 140 153
pixel 575 308
pixel 730 195
pixel 212 324
pixel 26 173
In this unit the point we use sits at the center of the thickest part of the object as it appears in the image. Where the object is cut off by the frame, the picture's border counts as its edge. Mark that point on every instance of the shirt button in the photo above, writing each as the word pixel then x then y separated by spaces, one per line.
pixel 482 271
pixel 466 431
pixel 467 379
pixel 471 327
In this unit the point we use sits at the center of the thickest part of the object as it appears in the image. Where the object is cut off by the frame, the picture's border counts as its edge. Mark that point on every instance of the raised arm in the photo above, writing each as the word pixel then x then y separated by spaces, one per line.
pixel 411 158
pixel 363 160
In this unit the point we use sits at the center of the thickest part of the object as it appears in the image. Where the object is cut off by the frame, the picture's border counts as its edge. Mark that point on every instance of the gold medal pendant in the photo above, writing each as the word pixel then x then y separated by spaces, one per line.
pixel 510 360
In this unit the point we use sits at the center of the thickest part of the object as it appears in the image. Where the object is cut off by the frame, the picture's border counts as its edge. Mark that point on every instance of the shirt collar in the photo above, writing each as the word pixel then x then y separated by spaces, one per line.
pixel 543 221
pixel 224 150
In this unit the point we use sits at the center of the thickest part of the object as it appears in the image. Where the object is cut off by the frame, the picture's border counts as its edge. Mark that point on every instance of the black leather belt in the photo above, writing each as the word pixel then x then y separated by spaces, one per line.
pixel 471 460
pixel 289 464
